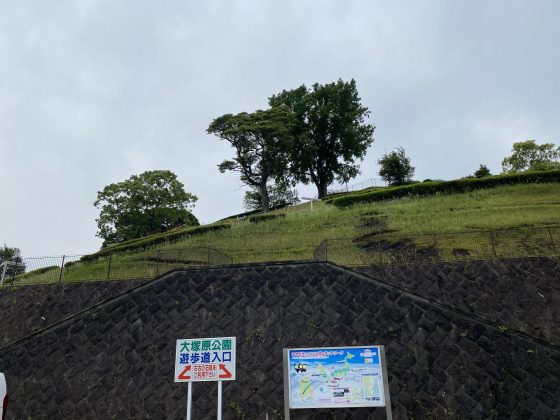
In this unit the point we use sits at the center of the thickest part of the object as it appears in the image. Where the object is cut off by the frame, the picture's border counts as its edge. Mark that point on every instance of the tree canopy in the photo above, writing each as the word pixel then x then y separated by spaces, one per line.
pixel 528 155
pixel 395 167
pixel 330 133
pixel 482 171
pixel 151 202
pixel 261 141
pixel 13 255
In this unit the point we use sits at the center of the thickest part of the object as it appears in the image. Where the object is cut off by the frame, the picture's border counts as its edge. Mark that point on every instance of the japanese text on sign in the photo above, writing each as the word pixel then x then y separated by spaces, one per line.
pixel 205 359
pixel 335 377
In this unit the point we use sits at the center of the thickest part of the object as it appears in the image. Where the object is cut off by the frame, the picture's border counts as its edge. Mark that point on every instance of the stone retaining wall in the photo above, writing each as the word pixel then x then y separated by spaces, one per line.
pixel 116 359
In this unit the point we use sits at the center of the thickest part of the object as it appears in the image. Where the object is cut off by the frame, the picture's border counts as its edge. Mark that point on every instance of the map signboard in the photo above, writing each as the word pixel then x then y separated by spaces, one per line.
pixel 205 359
pixel 336 377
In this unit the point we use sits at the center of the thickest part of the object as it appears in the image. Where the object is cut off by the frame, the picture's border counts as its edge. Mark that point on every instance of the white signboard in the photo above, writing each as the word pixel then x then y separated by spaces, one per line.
pixel 336 377
pixel 205 359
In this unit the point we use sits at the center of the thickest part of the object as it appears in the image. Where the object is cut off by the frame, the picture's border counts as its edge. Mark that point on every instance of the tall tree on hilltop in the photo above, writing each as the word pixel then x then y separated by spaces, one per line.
pixel 395 167
pixel 530 156
pixel 330 134
pixel 482 171
pixel 151 202
pixel 261 141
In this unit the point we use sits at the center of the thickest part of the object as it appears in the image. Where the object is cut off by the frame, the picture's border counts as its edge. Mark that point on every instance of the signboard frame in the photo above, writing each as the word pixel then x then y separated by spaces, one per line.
pixel 184 371
pixel 383 368
pixel 229 366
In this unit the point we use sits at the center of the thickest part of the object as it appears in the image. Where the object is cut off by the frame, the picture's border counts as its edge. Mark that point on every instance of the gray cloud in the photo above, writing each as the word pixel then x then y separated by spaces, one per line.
pixel 92 92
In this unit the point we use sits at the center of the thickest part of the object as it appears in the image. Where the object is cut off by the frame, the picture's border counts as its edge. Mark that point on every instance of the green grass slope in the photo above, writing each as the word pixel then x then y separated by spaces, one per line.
pixel 523 220
pixel 301 231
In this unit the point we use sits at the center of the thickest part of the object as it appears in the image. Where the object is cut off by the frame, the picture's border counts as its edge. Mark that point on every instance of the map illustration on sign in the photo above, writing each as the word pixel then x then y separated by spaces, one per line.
pixel 205 359
pixel 335 377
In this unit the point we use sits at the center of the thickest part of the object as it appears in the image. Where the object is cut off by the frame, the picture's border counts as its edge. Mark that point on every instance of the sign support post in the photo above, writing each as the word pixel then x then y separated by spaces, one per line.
pixel 387 394
pixel 286 386
pixel 189 401
pixel 205 360
pixel 219 400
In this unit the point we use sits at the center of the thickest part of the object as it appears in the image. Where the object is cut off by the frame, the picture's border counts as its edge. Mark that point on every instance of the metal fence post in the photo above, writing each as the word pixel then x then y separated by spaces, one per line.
pixel 61 269
pixel 437 254
pixel 13 282
pixel 493 244
pixel 552 244
pixel 320 253
pixel 15 272
pixel 5 266
pixel 157 262
pixel 109 265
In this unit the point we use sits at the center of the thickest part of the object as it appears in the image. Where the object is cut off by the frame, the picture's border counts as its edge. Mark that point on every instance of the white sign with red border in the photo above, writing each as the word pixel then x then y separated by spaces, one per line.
pixel 205 359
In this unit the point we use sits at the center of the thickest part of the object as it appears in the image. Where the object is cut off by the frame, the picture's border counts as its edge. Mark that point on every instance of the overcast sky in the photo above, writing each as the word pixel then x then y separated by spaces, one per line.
pixel 92 92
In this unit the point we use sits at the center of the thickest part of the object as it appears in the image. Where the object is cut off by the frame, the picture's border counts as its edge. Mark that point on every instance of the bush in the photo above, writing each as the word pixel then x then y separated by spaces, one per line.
pixel 153 240
pixel 448 187
pixel 265 217
pixel 252 212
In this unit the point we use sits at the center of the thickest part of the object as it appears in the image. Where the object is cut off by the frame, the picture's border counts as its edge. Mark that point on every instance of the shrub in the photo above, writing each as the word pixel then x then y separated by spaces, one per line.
pixel 153 240
pixel 252 212
pixel 265 217
pixel 448 187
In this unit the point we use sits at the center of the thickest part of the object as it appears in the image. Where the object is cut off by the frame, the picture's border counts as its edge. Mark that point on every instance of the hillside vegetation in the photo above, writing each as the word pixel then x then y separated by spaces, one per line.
pixel 301 230
pixel 463 185
pixel 484 223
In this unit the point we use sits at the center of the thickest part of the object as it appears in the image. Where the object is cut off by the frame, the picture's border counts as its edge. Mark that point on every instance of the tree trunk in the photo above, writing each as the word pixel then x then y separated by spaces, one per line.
pixel 319 180
pixel 264 196
pixel 321 189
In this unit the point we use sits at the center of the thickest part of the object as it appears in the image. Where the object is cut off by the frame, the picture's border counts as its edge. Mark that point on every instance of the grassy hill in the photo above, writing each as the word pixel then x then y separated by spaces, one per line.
pixel 522 220
pixel 300 228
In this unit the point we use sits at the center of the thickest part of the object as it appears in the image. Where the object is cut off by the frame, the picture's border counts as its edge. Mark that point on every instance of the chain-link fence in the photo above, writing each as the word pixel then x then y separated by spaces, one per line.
pixel 366 183
pixel 138 265
pixel 474 245
pixel 369 250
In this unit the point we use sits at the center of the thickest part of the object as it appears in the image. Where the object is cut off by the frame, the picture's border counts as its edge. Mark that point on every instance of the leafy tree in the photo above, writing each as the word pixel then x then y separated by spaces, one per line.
pixel 396 167
pixel 15 262
pixel 279 194
pixel 261 141
pixel 330 134
pixel 528 155
pixel 151 202
pixel 482 171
